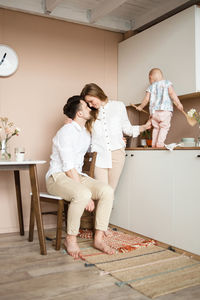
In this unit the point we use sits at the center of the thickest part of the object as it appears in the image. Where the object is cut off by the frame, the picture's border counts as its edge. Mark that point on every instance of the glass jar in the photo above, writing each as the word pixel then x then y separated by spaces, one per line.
pixel 4 151
pixel 198 142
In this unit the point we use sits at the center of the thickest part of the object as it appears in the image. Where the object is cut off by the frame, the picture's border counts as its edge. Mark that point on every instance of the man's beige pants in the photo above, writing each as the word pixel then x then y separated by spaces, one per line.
pixel 79 194
pixel 111 175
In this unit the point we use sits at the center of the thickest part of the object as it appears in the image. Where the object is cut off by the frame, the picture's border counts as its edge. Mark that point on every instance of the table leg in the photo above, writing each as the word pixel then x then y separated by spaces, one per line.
pixel 19 201
pixel 37 209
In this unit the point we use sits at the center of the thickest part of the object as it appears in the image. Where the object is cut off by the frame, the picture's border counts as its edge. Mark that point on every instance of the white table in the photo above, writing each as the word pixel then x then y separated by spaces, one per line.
pixel 31 166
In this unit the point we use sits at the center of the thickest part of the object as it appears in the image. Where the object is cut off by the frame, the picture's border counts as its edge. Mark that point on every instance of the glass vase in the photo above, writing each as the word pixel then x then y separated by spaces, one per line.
pixel 4 151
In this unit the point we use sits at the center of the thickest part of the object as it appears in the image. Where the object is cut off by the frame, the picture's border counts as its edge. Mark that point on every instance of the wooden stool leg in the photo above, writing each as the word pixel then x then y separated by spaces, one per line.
pixel 59 224
pixel 19 201
pixel 66 205
pixel 37 208
pixel 32 221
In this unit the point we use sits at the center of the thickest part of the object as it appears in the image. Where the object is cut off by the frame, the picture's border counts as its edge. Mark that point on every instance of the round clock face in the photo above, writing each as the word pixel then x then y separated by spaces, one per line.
pixel 8 60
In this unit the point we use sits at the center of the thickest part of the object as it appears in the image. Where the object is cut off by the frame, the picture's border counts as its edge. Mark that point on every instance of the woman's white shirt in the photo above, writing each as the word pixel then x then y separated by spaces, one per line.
pixel 107 132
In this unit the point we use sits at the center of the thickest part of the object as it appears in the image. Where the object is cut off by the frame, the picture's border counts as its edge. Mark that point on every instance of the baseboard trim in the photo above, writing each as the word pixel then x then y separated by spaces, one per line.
pixel 161 244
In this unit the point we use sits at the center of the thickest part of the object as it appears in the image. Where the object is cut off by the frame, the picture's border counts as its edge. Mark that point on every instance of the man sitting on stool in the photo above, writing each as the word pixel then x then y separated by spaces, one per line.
pixel 65 178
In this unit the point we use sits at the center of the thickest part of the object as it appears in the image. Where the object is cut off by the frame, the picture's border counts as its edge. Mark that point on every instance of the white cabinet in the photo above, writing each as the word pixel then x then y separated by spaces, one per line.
pixel 186 204
pixel 152 187
pixel 157 196
pixel 120 212
pixel 172 45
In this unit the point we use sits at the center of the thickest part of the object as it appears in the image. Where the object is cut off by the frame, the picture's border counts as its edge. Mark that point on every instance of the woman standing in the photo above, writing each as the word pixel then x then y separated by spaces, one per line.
pixel 109 122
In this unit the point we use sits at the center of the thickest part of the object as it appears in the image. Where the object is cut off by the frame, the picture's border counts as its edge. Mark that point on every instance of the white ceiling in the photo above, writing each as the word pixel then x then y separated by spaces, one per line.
pixel 114 15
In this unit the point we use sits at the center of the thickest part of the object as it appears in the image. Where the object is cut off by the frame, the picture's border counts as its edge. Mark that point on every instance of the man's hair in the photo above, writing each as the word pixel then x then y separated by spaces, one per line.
pixel 72 106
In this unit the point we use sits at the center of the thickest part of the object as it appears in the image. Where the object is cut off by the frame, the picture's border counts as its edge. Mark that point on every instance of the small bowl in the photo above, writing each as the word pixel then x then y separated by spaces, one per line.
pixel 188 140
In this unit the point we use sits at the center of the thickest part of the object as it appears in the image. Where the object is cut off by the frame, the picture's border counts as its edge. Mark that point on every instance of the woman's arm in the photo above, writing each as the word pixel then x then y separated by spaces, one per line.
pixel 127 128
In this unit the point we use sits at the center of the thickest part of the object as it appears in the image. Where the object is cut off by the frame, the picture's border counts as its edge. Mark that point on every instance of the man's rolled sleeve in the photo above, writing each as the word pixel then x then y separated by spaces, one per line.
pixel 66 151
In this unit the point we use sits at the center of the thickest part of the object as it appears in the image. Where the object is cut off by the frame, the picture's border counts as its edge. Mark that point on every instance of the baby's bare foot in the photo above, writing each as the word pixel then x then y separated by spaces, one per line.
pixel 72 247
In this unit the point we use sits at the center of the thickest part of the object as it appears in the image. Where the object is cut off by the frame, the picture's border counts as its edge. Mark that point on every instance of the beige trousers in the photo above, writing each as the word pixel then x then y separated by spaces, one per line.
pixel 79 194
pixel 111 175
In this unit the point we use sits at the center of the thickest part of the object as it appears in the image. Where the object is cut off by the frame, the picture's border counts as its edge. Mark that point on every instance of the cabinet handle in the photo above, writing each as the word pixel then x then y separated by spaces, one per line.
pixel 132 154
pixel 126 155
pixel 198 155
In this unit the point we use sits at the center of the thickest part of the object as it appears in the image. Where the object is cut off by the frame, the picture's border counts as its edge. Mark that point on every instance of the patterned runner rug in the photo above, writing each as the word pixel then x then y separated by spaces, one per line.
pixel 139 263
pixel 120 241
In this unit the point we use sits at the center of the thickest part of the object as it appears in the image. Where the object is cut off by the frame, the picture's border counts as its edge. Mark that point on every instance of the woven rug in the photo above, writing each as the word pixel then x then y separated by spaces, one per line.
pixel 120 241
pixel 151 270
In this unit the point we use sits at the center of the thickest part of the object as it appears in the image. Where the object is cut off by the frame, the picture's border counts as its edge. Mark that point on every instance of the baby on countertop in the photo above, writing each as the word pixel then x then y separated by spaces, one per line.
pixel 160 95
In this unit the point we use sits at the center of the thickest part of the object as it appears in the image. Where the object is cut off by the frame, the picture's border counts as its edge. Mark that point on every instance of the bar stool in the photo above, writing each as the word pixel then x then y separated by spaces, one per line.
pixel 62 205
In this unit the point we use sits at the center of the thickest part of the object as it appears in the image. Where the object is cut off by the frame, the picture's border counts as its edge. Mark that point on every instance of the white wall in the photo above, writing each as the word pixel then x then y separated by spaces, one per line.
pixel 169 45
pixel 197 40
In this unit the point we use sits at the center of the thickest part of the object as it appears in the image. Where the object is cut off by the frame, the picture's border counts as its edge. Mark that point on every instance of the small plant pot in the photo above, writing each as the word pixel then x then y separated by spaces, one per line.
pixel 149 143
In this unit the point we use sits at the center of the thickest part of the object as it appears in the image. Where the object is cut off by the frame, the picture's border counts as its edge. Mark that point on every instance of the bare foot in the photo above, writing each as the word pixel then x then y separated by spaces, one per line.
pixel 72 247
pixel 100 244
pixel 108 233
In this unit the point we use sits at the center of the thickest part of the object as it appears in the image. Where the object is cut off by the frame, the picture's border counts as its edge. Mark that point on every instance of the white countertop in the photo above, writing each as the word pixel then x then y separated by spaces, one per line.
pixel 24 162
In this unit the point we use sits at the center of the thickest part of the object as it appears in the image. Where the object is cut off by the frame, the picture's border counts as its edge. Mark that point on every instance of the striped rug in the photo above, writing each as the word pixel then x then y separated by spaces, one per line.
pixel 152 270
pixel 120 241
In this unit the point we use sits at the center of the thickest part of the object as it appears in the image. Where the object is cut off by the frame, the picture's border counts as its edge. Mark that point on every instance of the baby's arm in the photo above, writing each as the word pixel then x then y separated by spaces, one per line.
pixel 145 101
pixel 174 98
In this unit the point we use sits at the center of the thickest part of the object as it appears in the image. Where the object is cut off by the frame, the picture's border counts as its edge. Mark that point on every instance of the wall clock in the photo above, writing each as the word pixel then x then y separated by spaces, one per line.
pixel 8 60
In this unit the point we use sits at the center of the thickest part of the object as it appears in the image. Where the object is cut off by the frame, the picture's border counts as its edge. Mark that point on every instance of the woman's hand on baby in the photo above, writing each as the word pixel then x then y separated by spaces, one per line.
pixel 90 206
pixel 147 125
pixel 68 120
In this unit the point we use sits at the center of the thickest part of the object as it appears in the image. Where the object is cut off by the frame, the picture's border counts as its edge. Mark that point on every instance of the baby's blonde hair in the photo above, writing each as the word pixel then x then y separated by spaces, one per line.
pixel 156 73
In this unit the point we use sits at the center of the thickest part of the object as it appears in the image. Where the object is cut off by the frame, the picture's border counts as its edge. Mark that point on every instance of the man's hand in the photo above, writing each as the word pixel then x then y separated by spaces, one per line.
pixel 90 206
pixel 73 174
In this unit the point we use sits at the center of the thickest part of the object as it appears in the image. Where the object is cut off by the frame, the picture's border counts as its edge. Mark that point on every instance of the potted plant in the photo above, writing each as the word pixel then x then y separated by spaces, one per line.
pixel 146 138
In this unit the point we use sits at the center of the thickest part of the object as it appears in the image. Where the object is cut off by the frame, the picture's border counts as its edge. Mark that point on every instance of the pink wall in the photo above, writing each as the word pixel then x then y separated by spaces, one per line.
pixel 56 59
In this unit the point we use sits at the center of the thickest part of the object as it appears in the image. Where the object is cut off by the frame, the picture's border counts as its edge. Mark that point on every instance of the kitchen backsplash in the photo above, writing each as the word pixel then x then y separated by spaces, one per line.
pixel 179 126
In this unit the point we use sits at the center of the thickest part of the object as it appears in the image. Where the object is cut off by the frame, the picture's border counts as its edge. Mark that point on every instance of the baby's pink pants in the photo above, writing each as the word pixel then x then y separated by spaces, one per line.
pixel 161 124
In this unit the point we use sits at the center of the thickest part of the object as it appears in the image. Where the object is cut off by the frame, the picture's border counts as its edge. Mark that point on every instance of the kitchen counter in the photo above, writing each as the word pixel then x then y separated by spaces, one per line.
pixel 158 196
pixel 158 149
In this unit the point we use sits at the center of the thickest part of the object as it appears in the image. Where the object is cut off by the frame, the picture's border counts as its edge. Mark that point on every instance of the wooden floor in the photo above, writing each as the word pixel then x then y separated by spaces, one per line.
pixel 25 274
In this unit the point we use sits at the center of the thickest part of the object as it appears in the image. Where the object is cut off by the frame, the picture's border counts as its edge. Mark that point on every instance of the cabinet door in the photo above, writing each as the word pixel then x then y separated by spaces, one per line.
pixel 186 210
pixel 151 194
pixel 120 211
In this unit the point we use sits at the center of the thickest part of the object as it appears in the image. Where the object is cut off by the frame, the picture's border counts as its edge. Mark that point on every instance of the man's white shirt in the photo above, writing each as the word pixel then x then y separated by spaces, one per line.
pixel 70 144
